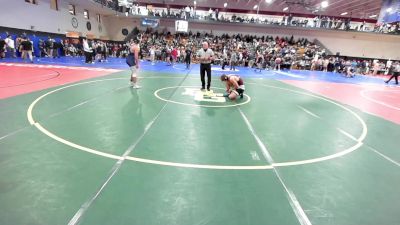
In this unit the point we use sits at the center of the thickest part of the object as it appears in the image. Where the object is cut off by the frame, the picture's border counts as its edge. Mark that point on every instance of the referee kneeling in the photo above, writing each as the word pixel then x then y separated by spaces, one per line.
pixel 205 55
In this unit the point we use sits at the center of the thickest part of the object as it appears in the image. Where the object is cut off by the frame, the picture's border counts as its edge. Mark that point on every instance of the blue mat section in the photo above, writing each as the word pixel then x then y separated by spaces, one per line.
pixel 162 67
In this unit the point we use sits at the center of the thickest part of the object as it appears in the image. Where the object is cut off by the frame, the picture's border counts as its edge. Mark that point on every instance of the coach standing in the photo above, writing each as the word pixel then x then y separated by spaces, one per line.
pixel 205 55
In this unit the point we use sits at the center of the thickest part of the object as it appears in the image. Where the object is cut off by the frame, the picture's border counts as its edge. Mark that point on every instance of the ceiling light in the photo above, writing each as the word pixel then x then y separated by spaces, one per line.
pixel 255 7
pixel 324 4
pixel 343 14
pixel 373 16
pixel 286 8
pixel 225 5
pixel 194 2
pixel 268 1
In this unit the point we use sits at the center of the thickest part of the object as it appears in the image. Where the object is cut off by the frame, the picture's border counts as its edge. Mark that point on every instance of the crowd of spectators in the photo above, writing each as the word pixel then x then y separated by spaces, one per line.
pixel 258 52
pixel 317 21
pixel 56 47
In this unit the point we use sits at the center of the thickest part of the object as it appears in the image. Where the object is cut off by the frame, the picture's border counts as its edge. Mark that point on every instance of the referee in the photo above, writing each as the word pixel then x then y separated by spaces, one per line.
pixel 205 55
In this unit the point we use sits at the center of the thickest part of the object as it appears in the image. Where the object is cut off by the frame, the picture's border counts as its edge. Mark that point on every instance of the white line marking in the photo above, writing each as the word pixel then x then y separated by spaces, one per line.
pixel 347 134
pixel 384 156
pixel 264 150
pixel 73 145
pixel 320 159
pixel 55 114
pixel 75 106
pixel 111 156
pixel 309 112
pixel 254 156
pixel 174 66
pixel 198 105
pixel 197 166
pixel 362 93
pixel 78 215
pixel 12 133
pixel 289 74
pixel 29 112
pixel 59 67
pixel 294 203
pixel 292 163
pixel 363 124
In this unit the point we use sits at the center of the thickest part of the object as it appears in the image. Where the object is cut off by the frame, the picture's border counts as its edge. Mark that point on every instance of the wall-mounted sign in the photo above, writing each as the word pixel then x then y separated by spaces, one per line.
pixel 146 22
pixel 390 11
pixel 181 26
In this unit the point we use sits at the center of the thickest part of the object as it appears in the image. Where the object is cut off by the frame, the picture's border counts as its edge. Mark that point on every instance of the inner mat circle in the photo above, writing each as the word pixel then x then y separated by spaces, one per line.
pixel 229 103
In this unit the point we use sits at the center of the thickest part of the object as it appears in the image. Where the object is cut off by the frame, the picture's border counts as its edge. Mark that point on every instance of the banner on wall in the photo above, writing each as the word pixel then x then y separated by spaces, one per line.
pixel 390 11
pixel 147 22
pixel 181 26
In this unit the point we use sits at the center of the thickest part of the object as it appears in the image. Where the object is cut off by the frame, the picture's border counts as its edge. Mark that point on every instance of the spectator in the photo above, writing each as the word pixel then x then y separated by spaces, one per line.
pixel 234 59
pixel 187 12
pixel 395 71
pixel 42 47
pixel 2 48
pixel 88 51
pixel 10 46
pixel 26 48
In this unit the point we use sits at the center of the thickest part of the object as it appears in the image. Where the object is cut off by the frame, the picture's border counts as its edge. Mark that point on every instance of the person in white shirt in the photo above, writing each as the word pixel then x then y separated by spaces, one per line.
pixel 191 12
pixel 376 67
pixel 187 12
pixel 88 51
pixel 10 45
pixel 205 55
pixel 395 70
pixel 152 55
pixel 388 65
pixel 72 50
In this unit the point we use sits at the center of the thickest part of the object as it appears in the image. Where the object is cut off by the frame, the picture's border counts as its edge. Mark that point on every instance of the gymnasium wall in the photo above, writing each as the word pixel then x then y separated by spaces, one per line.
pixel 22 15
pixel 348 43
pixel 116 24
